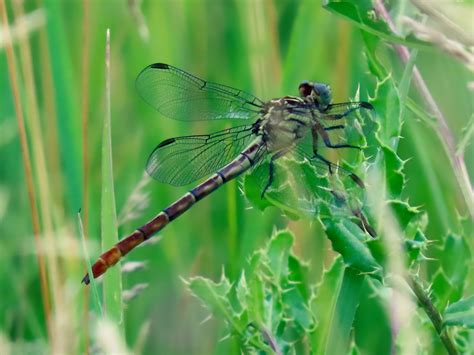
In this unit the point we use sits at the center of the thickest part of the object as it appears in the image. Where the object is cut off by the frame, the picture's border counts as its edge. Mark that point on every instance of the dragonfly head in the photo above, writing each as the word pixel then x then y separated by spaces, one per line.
pixel 320 92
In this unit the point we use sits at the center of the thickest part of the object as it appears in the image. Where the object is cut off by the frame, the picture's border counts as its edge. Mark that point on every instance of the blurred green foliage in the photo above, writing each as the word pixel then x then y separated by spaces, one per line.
pixel 267 48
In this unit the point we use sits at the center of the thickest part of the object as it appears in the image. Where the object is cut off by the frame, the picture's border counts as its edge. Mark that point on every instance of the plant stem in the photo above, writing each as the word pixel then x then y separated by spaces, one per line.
pixel 85 156
pixel 433 314
pixel 27 166
pixel 442 128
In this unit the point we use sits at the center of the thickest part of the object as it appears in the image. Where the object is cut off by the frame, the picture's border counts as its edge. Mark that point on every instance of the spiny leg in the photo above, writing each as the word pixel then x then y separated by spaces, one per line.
pixel 325 136
pixel 331 128
pixel 362 221
pixel 338 116
pixel 324 160
pixel 356 106
pixel 314 134
pixel 271 170
pixel 330 165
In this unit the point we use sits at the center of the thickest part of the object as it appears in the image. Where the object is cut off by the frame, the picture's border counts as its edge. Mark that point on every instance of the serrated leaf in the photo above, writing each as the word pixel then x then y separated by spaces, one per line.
pixel 387 105
pixel 392 167
pixel 214 295
pixel 298 310
pixel 460 313
pixel 455 259
pixel 241 291
pixel 362 15
pixel 404 212
pixel 416 246
pixel 377 250
pixel 256 299
pixel 278 251
pixel 348 240
pixel 442 289
pixel 375 65
pixel 298 276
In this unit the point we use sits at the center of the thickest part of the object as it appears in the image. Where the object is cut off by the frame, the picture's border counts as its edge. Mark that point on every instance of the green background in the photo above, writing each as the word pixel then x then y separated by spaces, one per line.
pixel 263 47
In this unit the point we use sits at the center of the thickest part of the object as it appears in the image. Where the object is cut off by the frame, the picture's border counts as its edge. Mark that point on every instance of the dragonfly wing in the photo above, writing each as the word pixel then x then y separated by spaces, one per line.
pixel 343 109
pixel 182 160
pixel 347 123
pixel 304 184
pixel 182 96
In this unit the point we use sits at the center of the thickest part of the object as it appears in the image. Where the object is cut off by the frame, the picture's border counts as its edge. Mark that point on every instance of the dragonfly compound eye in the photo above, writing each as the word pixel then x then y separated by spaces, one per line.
pixel 322 93
pixel 305 89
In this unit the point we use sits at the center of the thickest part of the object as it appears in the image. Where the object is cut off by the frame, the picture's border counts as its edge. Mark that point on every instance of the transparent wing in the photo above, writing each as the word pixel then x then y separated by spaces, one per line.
pixel 344 109
pixel 313 186
pixel 182 160
pixel 347 124
pixel 182 96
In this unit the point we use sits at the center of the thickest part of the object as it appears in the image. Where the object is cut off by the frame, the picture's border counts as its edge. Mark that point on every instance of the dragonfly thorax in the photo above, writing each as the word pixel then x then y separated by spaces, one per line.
pixel 281 127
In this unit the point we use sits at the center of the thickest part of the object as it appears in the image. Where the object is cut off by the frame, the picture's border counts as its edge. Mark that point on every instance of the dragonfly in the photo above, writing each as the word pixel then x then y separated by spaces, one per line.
pixel 279 127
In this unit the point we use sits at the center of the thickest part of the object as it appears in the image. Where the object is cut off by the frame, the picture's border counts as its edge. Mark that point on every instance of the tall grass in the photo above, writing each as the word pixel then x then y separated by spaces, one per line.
pixel 63 159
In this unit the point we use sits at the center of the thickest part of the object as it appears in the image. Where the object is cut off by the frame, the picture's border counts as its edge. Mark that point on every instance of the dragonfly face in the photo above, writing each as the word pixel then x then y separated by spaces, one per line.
pixel 289 126
pixel 320 92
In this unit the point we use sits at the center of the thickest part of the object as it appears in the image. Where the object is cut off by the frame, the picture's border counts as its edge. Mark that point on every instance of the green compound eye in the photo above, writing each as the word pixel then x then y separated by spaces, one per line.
pixel 322 93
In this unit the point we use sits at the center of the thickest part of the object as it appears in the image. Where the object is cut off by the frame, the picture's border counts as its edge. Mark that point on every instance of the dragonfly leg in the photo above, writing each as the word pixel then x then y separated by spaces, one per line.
pixel 325 161
pixel 356 106
pixel 338 116
pixel 327 142
pixel 271 170
pixel 331 128
pixel 314 134
pixel 363 223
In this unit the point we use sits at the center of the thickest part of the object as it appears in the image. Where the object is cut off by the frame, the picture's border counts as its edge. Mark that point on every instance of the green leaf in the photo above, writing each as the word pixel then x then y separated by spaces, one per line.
pixel 467 134
pixel 375 65
pixel 323 305
pixel 348 240
pixel 241 291
pixel 214 295
pixel 416 246
pixel 404 212
pixel 256 299
pixel 266 306
pixel 455 259
pixel 392 166
pixel 460 313
pixel 298 310
pixel 362 15
pixel 387 106
pixel 298 276
pixel 404 84
pixel 442 289
pixel 253 191
pixel 278 252
pixel 334 307
pixel 113 305
pixel 346 307
pixel 372 324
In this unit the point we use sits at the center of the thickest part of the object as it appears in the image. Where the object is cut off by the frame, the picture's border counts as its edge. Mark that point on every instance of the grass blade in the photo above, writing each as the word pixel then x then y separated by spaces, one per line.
pixel 26 164
pixel 112 280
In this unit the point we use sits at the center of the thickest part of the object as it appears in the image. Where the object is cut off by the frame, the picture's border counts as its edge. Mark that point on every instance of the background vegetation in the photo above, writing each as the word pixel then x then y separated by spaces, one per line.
pixel 328 295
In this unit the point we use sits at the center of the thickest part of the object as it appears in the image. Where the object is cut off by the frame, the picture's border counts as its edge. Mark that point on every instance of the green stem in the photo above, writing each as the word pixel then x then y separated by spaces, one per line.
pixel 433 314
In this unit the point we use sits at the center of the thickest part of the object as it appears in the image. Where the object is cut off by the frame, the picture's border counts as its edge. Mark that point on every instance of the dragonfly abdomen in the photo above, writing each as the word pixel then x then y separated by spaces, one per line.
pixel 236 167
